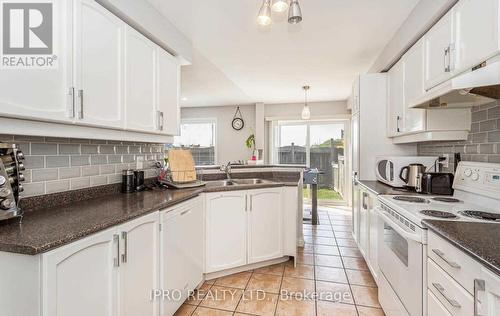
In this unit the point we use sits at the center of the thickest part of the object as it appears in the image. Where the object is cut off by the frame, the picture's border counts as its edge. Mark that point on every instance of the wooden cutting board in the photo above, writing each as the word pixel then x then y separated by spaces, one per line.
pixel 181 165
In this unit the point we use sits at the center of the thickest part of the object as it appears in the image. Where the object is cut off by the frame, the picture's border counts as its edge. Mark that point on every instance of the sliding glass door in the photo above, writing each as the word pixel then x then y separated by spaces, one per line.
pixel 316 144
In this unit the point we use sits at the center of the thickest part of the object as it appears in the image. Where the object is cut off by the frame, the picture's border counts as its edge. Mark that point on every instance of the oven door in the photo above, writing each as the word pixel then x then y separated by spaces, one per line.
pixel 400 253
pixel 385 171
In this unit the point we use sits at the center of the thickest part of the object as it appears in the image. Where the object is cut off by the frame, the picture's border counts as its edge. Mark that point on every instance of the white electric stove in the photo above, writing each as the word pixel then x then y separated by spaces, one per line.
pixel 402 236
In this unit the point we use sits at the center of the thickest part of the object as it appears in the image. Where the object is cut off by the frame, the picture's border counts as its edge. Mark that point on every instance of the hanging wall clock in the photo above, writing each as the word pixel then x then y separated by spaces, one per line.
pixel 238 122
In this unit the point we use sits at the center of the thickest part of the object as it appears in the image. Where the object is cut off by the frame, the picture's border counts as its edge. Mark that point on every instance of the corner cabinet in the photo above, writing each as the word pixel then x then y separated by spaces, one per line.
pixel 109 273
pixel 243 227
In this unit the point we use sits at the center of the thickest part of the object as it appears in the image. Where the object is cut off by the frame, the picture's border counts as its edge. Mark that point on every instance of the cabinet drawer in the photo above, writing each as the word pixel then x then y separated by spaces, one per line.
pixel 434 307
pixel 453 296
pixel 456 263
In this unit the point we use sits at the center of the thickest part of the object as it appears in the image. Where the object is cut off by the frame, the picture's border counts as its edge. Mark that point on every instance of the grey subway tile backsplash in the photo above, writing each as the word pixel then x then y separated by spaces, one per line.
pixel 61 164
pixel 483 144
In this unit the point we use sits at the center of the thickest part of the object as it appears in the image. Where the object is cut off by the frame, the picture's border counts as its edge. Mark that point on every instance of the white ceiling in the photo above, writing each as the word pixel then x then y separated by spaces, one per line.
pixel 236 61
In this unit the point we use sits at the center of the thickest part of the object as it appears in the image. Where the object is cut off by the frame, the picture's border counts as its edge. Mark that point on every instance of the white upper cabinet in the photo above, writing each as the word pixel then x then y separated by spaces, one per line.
pixel 476 28
pixel 43 94
pixel 140 72
pixel 439 52
pixel 395 110
pixel 413 83
pixel 168 93
pixel 265 240
pixel 99 56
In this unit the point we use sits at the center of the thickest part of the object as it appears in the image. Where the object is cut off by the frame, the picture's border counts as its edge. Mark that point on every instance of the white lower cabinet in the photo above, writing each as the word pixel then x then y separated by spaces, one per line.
pixel 243 227
pixel 81 279
pixel 181 253
pixel 226 227
pixel 265 237
pixel 110 273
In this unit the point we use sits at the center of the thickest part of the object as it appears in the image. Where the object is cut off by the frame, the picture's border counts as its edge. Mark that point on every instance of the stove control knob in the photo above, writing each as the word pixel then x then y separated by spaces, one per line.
pixel 468 172
pixel 4 192
pixel 7 204
pixel 475 176
pixel 20 188
pixel 2 181
pixel 20 167
pixel 20 155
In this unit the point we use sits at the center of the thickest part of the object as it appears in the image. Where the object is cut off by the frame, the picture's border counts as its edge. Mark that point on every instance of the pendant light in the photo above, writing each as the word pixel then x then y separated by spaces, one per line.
pixel 306 112
pixel 294 13
pixel 280 6
pixel 264 17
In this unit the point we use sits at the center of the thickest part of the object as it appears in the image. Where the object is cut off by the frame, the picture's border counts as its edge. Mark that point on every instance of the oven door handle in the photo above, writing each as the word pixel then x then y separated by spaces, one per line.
pixel 394 225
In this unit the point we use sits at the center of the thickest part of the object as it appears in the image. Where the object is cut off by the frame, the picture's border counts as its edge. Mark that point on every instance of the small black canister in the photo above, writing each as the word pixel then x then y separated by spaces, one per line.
pixel 139 180
pixel 128 181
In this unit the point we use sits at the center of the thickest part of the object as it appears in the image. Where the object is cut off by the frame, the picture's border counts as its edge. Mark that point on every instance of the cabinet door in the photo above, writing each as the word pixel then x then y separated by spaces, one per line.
pixel 173 260
pixel 139 265
pixel 356 196
pixel 99 62
pixel 168 93
pixel 363 223
pixel 476 29
pixel 226 231
pixel 140 77
pixel 80 279
pixel 194 233
pixel 439 52
pixel 413 84
pixel 265 235
pixel 395 110
pixel 373 237
pixel 487 294
pixel 43 94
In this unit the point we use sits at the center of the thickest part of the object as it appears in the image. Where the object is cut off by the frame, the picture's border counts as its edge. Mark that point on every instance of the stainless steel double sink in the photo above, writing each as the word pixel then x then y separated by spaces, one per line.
pixel 236 182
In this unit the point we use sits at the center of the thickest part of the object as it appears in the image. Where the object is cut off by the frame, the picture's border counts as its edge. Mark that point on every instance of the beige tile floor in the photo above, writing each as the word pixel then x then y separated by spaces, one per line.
pixel 329 264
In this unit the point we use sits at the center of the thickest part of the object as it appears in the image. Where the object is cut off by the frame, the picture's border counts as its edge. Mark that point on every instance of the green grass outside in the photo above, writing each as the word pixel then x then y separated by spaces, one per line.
pixel 323 194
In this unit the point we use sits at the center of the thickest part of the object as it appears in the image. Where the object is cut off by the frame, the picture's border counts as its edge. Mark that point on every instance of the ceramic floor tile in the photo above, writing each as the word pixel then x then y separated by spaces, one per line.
pixel 275 269
pixel 238 280
pixel 185 310
pixel 366 296
pixel 300 271
pixel 341 223
pixel 264 282
pixel 222 298
pixel 342 228
pixel 330 274
pixel 289 286
pixel 346 243
pixel 328 241
pixel 304 258
pixel 203 311
pixel 210 281
pixel 341 235
pixel 291 307
pixel 322 233
pixel 369 311
pixel 358 277
pixel 258 303
pixel 350 252
pixel 199 294
pixel 335 292
pixel 308 248
pixel 326 250
pixel 328 261
pixel 335 309
pixel 355 263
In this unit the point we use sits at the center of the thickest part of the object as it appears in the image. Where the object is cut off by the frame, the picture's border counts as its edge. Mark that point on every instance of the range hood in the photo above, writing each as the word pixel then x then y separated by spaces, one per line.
pixel 477 87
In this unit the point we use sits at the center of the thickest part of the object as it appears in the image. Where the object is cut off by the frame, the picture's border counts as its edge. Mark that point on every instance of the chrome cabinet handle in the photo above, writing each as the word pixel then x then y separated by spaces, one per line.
pixel 116 259
pixel 71 102
pixel 161 121
pixel 158 124
pixel 441 255
pixel 80 104
pixel 125 247
pixel 185 212
pixel 479 285
pixel 251 202
pixel 441 291
pixel 397 124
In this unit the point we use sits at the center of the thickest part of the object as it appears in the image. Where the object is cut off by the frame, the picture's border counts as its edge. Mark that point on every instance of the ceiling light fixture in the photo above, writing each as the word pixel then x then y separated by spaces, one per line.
pixel 264 17
pixel 294 12
pixel 280 6
pixel 306 111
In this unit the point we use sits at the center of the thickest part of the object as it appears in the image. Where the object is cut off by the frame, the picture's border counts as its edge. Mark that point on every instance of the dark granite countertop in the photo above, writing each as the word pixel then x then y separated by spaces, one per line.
pixel 81 214
pixel 380 188
pixel 253 166
pixel 479 240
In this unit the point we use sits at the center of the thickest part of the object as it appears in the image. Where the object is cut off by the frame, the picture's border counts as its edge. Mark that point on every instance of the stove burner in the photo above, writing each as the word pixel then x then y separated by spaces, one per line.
pixel 482 215
pixel 439 214
pixel 412 199
pixel 446 199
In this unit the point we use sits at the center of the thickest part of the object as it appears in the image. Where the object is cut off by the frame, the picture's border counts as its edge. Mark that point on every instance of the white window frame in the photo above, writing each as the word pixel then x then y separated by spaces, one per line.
pixel 210 120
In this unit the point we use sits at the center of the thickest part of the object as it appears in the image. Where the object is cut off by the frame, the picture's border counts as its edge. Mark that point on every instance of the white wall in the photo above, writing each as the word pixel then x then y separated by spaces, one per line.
pixel 230 144
pixel 319 110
